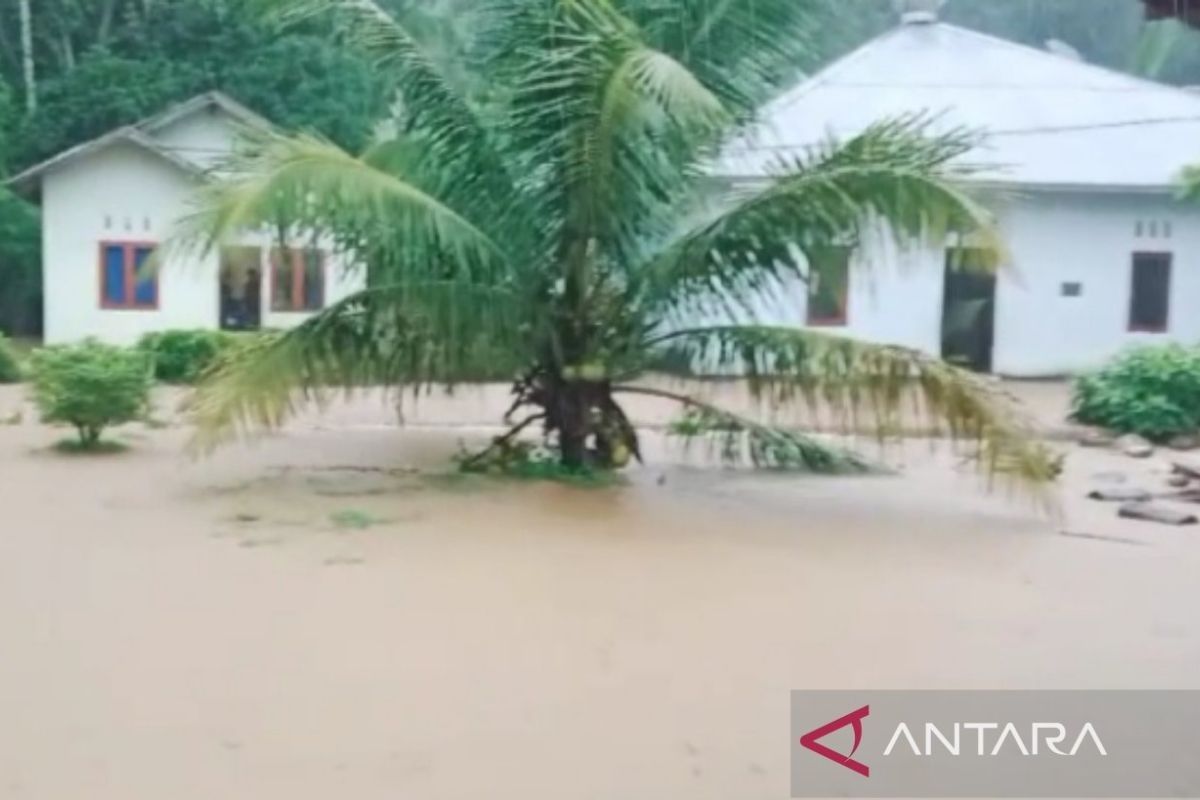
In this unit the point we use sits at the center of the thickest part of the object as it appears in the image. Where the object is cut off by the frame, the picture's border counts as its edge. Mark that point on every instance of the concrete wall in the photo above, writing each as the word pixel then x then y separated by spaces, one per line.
pixel 896 295
pixel 1090 239
pixel 124 193
pixel 203 137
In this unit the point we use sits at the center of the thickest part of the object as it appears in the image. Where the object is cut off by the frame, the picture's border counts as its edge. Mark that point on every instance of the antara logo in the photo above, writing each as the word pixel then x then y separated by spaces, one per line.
pixel 1043 736
pixel 991 739
pixel 811 741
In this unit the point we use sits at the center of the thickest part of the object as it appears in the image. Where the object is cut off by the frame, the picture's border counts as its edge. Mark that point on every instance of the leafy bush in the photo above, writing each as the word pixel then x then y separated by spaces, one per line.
pixel 10 365
pixel 183 356
pixel 1150 391
pixel 90 386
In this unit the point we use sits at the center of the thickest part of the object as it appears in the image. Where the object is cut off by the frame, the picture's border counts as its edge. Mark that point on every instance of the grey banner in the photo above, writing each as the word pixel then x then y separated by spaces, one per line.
pixel 996 744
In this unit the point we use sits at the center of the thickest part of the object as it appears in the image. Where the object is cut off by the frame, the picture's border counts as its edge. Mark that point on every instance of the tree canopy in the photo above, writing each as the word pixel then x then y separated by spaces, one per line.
pixel 105 63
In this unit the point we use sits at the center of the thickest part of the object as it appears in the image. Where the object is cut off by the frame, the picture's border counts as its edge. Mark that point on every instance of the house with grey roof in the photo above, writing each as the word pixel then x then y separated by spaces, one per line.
pixel 1080 165
pixel 107 204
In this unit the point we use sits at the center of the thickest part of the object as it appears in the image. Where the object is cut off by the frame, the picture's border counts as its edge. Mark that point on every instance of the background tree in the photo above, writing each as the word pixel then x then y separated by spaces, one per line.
pixel 20 242
pixel 27 65
pixel 170 50
pixel 558 229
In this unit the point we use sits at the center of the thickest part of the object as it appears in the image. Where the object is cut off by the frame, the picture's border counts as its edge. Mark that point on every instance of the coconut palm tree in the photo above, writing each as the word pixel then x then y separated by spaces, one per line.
pixel 553 222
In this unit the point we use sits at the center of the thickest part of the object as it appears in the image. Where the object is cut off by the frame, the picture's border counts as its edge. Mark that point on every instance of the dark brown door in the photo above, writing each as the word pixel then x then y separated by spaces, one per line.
pixel 241 288
pixel 968 311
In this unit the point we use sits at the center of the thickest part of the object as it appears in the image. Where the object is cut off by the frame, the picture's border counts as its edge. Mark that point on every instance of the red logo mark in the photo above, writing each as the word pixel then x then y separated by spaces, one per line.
pixel 854 718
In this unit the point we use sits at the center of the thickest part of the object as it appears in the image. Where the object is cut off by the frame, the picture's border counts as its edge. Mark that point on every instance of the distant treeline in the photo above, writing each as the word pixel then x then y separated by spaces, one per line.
pixel 98 64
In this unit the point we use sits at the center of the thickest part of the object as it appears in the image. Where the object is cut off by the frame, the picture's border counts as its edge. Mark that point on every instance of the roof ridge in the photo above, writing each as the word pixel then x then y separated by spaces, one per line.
pixel 124 133
pixel 826 74
pixel 788 97
pixel 197 102
pixel 1112 72
pixel 141 133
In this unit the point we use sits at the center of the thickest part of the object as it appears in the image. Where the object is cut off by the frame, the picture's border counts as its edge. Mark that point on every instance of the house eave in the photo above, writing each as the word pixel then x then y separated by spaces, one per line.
pixel 1081 188
pixel 1010 186
pixel 22 181
pixel 139 134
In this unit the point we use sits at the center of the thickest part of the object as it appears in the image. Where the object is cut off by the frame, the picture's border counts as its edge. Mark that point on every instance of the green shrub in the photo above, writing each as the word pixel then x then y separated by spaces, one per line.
pixel 10 365
pixel 1150 391
pixel 183 356
pixel 90 386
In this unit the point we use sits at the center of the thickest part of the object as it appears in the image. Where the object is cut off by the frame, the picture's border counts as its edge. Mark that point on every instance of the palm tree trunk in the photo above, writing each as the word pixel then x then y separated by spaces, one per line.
pixel 572 418
pixel 27 56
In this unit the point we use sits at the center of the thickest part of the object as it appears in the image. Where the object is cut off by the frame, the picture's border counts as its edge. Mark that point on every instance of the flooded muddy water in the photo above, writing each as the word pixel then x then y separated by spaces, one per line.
pixel 327 614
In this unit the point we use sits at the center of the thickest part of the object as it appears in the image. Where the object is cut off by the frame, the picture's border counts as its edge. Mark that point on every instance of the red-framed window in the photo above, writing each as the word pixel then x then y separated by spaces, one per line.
pixel 297 280
pixel 1150 294
pixel 124 284
pixel 828 286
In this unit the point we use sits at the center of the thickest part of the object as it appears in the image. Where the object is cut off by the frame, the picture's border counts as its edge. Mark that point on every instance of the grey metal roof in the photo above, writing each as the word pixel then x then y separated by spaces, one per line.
pixel 1049 120
pixel 128 135
pixel 201 102
pixel 141 134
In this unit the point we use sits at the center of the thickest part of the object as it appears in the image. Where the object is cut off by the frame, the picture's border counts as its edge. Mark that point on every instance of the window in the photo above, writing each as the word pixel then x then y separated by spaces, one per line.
pixel 123 282
pixel 828 285
pixel 297 280
pixel 1150 300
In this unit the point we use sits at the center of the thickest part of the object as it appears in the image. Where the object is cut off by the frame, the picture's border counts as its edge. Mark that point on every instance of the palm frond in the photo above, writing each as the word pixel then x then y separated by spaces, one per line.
pixel 745 52
pixel 898 179
pixel 432 101
pixel 305 186
pixel 869 386
pixel 453 129
pixel 648 100
pixel 1189 184
pixel 411 335
pixel 681 96
pixel 737 440
pixel 1157 46
pixel 603 121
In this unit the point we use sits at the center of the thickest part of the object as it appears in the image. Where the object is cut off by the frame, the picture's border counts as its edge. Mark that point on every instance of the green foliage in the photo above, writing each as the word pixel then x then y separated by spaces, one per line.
pixel 82 446
pixel 1150 391
pixel 99 70
pixel 526 460
pixel 20 265
pixel 558 229
pixel 8 116
pixel 182 356
pixel 10 365
pixel 354 518
pixel 90 386
pixel 735 439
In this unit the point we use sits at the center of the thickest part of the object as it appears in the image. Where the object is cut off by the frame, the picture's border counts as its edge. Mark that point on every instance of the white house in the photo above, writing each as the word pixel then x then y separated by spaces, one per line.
pixel 1081 170
pixel 106 205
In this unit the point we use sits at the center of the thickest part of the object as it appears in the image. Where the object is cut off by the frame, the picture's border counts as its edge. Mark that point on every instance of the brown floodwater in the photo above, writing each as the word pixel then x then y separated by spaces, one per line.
pixel 325 614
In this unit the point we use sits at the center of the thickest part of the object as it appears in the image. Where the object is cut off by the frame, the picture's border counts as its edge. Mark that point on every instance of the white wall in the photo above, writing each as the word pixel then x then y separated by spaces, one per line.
pixel 1089 239
pixel 124 193
pixel 896 295
pixel 203 137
